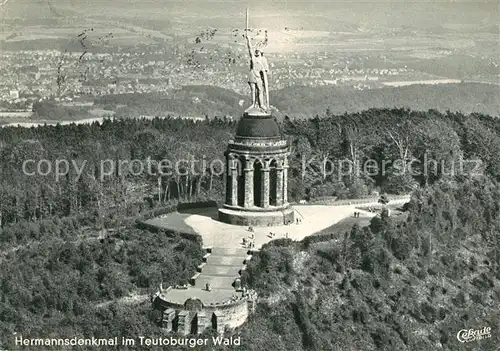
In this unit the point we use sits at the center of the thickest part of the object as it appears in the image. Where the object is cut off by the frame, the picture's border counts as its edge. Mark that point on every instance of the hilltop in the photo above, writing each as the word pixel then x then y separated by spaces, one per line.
pixel 305 102
pixel 196 100
pixel 465 98
pixel 405 282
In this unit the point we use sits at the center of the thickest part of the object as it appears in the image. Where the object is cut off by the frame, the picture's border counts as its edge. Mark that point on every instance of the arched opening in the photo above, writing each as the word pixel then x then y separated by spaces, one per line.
pixel 273 180
pixel 214 321
pixel 241 181
pixel 229 188
pixel 194 324
pixel 175 322
pixel 257 184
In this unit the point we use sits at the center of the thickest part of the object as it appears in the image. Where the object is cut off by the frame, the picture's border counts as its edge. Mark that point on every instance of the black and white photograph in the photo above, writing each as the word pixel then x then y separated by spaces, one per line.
pixel 281 175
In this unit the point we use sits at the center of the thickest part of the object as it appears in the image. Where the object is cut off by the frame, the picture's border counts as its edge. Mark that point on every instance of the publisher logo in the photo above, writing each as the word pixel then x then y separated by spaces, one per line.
pixel 469 335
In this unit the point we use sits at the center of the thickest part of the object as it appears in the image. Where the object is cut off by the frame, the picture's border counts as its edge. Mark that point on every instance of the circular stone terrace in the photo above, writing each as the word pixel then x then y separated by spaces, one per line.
pixel 228 256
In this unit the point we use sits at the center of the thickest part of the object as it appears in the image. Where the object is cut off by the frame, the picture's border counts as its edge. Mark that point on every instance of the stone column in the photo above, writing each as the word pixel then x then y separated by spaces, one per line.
pixel 285 182
pixel 234 185
pixel 279 185
pixel 227 179
pixel 248 183
pixel 184 323
pixel 168 319
pixel 264 192
pixel 218 322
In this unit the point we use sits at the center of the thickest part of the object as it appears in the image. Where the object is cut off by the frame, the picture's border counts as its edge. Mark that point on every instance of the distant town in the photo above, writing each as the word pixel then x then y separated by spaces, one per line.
pixel 31 76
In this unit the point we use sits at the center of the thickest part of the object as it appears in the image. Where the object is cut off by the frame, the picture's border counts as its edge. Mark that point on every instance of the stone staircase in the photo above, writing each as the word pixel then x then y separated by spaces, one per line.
pixel 216 281
pixel 225 260
pixel 220 268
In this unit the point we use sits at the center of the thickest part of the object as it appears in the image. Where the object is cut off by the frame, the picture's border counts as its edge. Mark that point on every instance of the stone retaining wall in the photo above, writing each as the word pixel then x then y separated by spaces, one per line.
pixel 217 316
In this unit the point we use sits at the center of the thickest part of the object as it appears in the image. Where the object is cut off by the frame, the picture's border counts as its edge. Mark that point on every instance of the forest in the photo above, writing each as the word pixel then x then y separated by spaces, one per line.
pixel 91 184
pixel 293 101
pixel 394 285
pixel 306 102
pixel 68 283
pixel 70 252
pixel 464 97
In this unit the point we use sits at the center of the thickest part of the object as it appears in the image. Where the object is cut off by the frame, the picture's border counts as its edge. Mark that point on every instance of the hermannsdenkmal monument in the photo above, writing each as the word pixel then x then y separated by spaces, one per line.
pixel 255 211
pixel 257 159
pixel 256 195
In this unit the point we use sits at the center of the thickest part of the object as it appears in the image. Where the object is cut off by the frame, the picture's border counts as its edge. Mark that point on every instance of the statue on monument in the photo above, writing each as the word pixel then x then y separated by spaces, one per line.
pixel 257 77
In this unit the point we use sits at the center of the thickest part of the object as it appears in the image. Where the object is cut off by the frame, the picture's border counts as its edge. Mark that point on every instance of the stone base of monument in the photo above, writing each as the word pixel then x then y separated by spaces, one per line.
pixel 257 217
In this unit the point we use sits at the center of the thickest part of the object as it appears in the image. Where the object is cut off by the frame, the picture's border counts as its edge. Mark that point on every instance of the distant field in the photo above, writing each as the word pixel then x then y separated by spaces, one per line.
pixel 120 36
pixel 29 124
pixel 295 102
pixel 424 82
pixel 35 33
pixel 15 114
pixel 304 102
pixel 99 112
pixel 32 36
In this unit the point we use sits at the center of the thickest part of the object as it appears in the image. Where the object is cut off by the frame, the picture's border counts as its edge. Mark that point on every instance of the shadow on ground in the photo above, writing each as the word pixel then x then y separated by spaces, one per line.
pixel 212 212
pixel 176 221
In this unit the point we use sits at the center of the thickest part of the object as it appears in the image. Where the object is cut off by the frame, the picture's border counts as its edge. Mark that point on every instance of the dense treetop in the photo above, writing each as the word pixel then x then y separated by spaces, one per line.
pixel 69 254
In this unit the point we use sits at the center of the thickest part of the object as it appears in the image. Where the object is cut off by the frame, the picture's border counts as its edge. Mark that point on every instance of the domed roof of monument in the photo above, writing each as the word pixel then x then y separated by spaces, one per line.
pixel 257 125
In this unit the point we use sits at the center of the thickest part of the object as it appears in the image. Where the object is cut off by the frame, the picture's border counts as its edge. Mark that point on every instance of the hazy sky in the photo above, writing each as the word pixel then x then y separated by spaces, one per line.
pixel 392 12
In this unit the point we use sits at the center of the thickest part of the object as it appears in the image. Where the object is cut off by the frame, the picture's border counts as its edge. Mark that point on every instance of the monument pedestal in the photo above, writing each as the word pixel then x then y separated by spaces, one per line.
pixel 257 166
pixel 256 217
